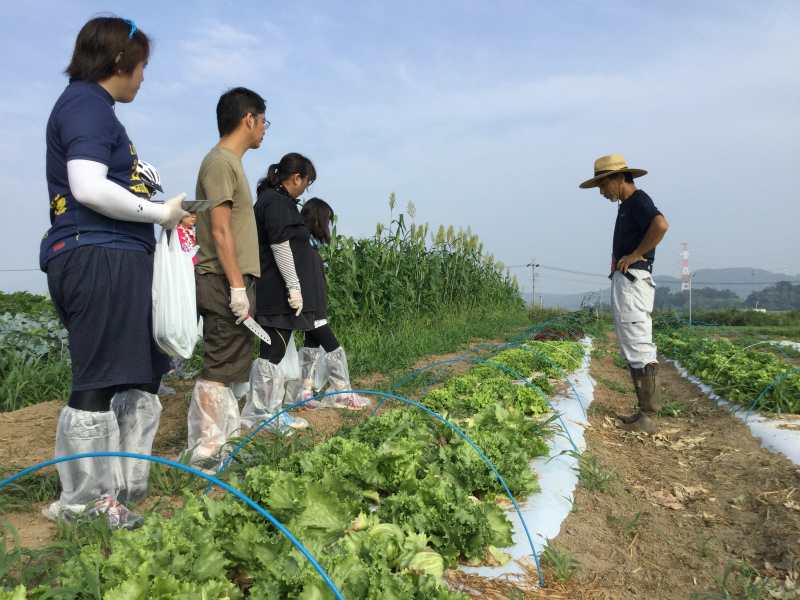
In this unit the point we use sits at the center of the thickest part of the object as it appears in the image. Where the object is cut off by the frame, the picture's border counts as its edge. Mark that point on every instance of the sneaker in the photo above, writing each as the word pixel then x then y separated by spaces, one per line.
pixel 118 515
pixel 305 394
pixel 293 422
pixel 350 401
pixel 163 390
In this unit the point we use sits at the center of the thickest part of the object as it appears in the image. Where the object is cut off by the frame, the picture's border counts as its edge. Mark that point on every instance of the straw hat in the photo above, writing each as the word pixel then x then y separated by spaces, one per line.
pixel 613 163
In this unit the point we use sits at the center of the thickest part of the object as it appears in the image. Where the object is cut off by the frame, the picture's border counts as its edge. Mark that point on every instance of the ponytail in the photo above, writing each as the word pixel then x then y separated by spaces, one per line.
pixel 289 165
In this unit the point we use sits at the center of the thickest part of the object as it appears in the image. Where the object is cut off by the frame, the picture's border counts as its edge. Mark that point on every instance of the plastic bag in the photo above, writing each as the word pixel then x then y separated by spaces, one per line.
pixel 290 362
pixel 174 305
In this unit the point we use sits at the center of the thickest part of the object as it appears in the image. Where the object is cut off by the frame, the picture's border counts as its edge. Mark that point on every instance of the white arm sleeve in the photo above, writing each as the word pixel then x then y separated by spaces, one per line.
pixel 285 262
pixel 90 186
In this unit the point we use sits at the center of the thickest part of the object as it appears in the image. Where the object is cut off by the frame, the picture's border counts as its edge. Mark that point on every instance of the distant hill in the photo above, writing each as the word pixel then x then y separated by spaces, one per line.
pixel 738 279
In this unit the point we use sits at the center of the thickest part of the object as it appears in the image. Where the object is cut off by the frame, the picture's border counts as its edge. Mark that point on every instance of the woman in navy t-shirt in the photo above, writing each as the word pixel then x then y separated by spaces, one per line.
pixel 98 256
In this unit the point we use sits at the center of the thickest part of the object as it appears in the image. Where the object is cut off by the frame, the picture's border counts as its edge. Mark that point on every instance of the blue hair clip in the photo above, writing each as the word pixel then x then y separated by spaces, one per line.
pixel 133 28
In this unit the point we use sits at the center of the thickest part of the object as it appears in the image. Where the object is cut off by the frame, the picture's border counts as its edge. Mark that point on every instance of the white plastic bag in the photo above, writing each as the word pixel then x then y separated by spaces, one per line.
pixel 174 305
pixel 290 362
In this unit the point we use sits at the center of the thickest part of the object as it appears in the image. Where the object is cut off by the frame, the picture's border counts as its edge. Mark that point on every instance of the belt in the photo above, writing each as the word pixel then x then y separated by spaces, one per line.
pixel 643 265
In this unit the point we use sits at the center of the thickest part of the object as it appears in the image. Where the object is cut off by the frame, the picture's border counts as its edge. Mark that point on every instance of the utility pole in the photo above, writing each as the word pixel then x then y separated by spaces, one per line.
pixel 533 266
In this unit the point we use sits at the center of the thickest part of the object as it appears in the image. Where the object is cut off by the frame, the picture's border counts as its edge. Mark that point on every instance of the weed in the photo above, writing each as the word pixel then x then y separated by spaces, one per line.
pixel 620 362
pixel 165 480
pixel 26 491
pixel 562 561
pixel 599 352
pixel 514 593
pixel 673 409
pixel 746 578
pixel 633 526
pixel 614 386
pixel 594 476
pixel 704 549
pixel 597 409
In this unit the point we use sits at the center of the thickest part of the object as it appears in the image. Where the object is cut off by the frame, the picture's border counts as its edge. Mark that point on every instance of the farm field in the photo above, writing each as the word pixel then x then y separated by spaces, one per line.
pixel 658 518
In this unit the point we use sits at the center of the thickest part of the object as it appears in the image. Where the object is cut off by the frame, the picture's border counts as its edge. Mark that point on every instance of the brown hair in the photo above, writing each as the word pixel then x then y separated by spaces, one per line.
pixel 99 43
pixel 317 215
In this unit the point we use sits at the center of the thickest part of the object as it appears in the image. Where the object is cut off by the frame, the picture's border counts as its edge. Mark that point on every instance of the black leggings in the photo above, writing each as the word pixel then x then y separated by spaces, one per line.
pixel 100 400
pixel 274 352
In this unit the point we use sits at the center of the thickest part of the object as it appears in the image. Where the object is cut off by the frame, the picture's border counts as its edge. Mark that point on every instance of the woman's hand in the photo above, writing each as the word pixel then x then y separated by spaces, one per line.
pixel 296 300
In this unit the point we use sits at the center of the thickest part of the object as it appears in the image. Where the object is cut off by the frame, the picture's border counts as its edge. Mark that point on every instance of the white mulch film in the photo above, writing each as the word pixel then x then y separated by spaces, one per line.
pixel 545 512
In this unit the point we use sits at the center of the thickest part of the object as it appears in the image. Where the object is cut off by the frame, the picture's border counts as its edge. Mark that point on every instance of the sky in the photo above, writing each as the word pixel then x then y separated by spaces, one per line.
pixel 483 114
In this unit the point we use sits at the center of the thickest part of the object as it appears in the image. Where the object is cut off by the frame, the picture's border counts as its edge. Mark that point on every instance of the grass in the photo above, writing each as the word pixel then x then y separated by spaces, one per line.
pixel 594 476
pixel 620 362
pixel 614 385
pixel 561 561
pixel 744 586
pixel 599 352
pixel 23 385
pixel 23 493
pixel 673 409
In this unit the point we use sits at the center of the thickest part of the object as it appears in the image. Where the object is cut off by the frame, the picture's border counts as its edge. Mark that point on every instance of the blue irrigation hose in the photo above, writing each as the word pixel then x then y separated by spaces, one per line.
pixel 212 479
pixel 765 391
pixel 494 346
pixel 438 416
pixel 563 426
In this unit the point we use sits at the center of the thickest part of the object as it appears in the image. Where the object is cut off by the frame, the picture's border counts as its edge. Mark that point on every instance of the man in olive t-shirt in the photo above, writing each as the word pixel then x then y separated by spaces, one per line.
pixel 227 266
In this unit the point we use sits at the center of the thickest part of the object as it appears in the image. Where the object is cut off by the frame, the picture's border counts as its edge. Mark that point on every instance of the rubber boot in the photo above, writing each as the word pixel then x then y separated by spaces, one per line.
pixel 339 376
pixel 628 419
pixel 650 398
pixel 137 414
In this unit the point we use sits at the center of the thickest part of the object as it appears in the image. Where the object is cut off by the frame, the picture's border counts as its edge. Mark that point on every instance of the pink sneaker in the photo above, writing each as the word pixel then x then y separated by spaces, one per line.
pixel 118 515
pixel 350 401
pixel 305 394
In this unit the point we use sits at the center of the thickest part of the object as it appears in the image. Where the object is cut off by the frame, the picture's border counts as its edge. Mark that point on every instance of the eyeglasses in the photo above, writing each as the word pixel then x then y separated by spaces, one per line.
pixel 266 123
pixel 133 27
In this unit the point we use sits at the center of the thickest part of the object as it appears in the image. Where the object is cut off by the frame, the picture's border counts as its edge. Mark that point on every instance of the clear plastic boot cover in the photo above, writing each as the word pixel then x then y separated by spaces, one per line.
pixel 85 480
pixel 213 418
pixel 266 392
pixel 137 414
pixel 339 375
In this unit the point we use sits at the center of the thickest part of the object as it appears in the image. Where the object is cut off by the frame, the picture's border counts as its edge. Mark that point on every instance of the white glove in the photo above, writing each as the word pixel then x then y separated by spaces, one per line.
pixel 240 305
pixel 173 212
pixel 296 301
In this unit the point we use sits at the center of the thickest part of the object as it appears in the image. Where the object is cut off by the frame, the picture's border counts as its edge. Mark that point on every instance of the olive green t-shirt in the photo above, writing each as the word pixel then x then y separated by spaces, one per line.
pixel 222 179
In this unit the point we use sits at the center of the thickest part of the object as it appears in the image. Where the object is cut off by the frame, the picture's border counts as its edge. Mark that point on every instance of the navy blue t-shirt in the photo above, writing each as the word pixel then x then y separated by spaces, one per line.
pixel 83 125
pixel 633 219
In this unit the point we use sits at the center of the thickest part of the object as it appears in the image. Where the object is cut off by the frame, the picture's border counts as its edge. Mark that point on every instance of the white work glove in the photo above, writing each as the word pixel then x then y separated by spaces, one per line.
pixel 240 305
pixel 296 301
pixel 173 212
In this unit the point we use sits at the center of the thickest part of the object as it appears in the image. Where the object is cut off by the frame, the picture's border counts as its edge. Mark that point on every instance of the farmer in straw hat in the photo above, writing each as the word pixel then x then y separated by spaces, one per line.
pixel 638 230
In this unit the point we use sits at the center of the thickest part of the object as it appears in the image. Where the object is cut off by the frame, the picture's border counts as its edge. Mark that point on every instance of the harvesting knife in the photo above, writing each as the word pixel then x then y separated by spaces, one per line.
pixel 250 323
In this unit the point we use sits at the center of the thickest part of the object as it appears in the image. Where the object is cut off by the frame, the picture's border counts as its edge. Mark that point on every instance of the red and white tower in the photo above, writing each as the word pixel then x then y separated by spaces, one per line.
pixel 685 256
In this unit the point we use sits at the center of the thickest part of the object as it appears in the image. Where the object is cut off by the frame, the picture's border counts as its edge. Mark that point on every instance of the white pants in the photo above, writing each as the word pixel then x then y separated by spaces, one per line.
pixel 631 305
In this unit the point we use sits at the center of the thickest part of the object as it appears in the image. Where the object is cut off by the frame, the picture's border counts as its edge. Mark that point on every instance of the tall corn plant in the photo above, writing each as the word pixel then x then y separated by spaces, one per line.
pixel 397 273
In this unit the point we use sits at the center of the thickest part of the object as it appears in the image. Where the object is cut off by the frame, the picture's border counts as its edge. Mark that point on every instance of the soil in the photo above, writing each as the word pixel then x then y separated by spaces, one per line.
pixel 679 508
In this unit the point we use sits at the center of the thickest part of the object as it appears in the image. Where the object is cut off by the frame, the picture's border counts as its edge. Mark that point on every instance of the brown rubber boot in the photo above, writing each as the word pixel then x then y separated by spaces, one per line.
pixel 650 398
pixel 628 419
